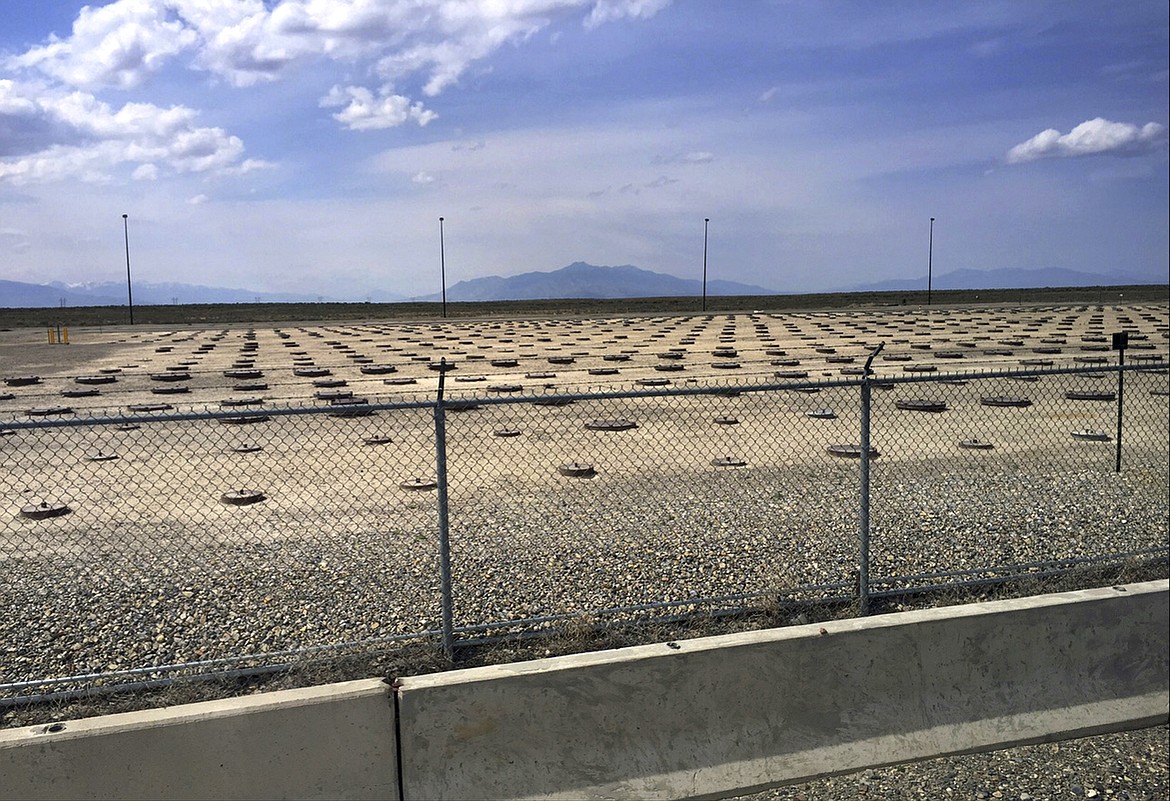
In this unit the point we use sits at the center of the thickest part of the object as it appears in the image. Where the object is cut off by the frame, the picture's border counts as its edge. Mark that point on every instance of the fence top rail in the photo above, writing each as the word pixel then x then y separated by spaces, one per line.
pixel 471 397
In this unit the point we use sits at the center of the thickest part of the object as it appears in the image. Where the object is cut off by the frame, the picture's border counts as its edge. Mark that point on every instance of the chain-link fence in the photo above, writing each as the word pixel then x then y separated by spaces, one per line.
pixel 160 541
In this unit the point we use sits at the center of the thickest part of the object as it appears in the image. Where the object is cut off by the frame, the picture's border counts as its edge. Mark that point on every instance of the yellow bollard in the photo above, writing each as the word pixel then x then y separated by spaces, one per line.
pixel 65 336
pixel 52 337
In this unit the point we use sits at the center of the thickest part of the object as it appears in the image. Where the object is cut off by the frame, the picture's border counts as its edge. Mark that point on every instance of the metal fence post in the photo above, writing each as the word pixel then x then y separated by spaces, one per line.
pixel 1120 401
pixel 863 544
pixel 444 539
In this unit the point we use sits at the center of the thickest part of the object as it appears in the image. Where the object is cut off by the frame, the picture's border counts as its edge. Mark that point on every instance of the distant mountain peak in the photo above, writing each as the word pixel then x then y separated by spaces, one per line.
pixel 590 281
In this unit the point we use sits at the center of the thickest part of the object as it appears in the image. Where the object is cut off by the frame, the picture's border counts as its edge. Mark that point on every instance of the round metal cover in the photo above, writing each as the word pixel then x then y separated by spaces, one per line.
pixel 919 368
pixel 611 425
pixel 80 393
pixel 1017 401
pixel 149 407
pixel 850 451
pixel 7 432
pixel 540 375
pixel 326 383
pixel 311 372
pixel 247 448
pixel 723 365
pixel 728 461
pixel 250 387
pixel 378 369
pixel 419 484
pixel 170 391
pixel 603 371
pixel 505 388
pixel 377 439
pixel 169 377
pixel 1090 436
pixel 504 363
pixel 95 379
pixel 22 380
pixel 976 444
pixel 242 497
pixel 244 419
pixel 1090 396
pixel 506 432
pixel 921 405
pixel 243 374
pixel 101 456
pixel 44 510
pixel 577 470
pixel 233 402
pixel 668 368
pixel 401 381
pixel 653 382
pixel 560 360
pixel 48 411
pixel 822 414
pixel 441 367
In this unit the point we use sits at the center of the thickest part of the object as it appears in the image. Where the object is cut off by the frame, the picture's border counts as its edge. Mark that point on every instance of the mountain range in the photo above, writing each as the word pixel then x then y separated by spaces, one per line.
pixel 1001 279
pixel 577 280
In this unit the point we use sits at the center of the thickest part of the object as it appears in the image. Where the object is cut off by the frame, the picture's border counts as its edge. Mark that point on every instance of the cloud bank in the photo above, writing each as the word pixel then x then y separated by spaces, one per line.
pixel 58 124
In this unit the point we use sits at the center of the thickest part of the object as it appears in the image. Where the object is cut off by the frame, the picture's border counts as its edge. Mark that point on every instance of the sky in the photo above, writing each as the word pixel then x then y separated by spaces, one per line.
pixel 311 146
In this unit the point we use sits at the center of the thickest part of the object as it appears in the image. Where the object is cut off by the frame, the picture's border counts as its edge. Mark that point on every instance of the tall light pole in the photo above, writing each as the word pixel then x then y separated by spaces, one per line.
pixel 129 289
pixel 706 220
pixel 442 268
pixel 930 262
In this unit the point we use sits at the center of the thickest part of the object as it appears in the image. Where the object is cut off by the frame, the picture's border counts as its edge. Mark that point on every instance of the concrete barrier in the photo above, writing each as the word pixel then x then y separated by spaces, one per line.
pixel 738 713
pixel 335 741
pixel 706 717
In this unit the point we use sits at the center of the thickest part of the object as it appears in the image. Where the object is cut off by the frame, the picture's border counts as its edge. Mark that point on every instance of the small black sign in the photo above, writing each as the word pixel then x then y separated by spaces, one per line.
pixel 1121 340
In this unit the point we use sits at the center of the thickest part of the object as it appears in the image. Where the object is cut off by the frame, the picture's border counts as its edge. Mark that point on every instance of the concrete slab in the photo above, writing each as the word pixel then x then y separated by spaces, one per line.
pixel 733 714
pixel 335 741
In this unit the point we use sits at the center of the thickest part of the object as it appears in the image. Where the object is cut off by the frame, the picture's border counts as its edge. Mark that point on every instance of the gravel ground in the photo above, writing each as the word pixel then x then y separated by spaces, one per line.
pixel 1130 766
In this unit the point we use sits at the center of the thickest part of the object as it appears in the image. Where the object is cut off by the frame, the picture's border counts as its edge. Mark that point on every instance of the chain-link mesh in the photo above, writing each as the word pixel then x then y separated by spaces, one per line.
pixel 606 467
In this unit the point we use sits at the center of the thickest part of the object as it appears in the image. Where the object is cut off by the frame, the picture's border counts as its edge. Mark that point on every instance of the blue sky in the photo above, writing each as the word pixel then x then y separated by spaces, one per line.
pixel 311 145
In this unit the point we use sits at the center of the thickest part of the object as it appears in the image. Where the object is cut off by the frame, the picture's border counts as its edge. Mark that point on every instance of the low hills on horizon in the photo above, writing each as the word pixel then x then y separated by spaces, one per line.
pixel 578 280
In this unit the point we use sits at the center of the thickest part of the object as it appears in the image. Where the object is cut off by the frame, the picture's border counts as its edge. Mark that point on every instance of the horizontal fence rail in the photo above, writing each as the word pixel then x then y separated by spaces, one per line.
pixel 142 547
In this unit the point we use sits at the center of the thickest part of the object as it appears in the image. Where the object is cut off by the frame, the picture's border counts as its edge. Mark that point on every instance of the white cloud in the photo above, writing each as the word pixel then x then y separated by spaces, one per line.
pixel 115 45
pixel 197 200
pixel 363 111
pixel 79 136
pixel 611 10
pixel 693 157
pixel 1091 138
pixel 422 177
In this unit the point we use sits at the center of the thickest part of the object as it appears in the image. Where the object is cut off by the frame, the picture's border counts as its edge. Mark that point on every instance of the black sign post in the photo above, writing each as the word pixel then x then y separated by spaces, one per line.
pixel 1120 343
